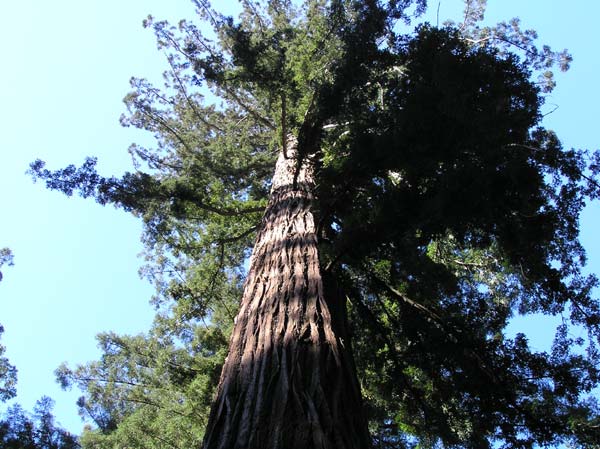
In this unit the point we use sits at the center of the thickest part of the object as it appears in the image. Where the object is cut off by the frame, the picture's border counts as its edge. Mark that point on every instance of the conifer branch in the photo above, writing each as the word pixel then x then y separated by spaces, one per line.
pixel 163 440
pixel 539 150
pixel 213 282
pixel 189 101
pixel 260 118
pixel 435 319
pixel 204 5
pixel 257 15
pixel 238 237
pixel 157 118
pixel 228 212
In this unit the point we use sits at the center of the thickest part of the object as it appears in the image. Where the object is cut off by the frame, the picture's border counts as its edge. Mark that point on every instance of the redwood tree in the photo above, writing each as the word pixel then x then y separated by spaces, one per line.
pixel 289 379
pixel 417 204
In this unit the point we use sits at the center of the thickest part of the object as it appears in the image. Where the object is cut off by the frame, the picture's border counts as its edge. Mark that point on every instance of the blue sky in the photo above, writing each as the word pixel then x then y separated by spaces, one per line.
pixel 65 68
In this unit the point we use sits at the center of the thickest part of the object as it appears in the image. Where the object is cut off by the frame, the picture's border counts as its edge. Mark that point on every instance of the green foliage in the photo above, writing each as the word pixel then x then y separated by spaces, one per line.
pixel 19 430
pixel 8 375
pixel 444 207
pixel 149 391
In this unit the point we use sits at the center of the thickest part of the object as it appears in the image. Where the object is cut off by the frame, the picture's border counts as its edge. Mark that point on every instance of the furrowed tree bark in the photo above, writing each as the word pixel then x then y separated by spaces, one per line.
pixel 289 380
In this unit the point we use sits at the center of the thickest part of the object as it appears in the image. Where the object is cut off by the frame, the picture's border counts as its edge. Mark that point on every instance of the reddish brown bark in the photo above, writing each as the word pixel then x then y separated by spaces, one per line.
pixel 289 380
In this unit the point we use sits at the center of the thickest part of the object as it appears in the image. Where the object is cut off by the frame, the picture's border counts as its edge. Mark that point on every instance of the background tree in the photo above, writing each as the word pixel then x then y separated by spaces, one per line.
pixel 8 373
pixel 150 391
pixel 442 207
pixel 19 430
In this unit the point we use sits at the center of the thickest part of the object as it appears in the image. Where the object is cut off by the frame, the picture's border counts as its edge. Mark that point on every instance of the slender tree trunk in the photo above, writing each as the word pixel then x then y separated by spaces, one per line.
pixel 289 380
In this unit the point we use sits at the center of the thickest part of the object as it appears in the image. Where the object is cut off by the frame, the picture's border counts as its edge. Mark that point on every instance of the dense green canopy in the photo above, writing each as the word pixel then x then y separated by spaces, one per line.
pixel 444 207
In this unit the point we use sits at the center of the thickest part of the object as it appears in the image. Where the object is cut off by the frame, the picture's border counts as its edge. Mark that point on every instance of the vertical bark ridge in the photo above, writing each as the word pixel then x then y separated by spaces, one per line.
pixel 288 381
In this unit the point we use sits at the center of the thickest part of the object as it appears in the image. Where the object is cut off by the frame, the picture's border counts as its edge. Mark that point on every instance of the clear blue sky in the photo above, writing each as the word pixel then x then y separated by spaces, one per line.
pixel 65 68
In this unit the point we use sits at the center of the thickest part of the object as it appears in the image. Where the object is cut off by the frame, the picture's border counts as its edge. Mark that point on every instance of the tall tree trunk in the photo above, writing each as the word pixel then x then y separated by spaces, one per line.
pixel 289 380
